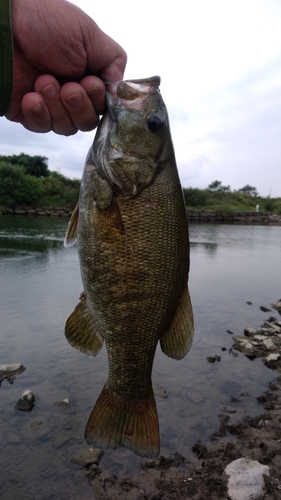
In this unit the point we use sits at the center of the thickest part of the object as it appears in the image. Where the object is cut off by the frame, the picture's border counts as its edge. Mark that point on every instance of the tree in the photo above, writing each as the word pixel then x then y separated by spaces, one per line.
pixel 32 165
pixel 217 186
pixel 17 188
pixel 225 189
pixel 250 190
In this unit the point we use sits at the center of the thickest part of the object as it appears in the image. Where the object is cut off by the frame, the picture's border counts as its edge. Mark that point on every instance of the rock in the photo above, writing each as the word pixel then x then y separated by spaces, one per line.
pixel 277 305
pixel 260 337
pixel 271 319
pixel 26 402
pixel 249 332
pixel 264 309
pixel 249 345
pixel 98 488
pixel 19 212
pixel 269 344
pixel 272 361
pixel 245 480
pixel 241 340
pixel 249 302
pixel 11 368
pixel 274 356
pixel 159 392
pixel 212 359
pixel 65 403
pixel 266 331
pixel 229 331
pixel 272 326
pixel 10 371
pixel 87 457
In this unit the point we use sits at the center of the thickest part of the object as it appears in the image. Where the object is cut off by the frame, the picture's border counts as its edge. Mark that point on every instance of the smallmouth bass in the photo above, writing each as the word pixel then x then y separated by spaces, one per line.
pixel 132 235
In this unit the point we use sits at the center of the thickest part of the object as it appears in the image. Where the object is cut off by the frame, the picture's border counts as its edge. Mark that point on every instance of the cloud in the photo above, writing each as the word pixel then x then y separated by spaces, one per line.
pixel 236 130
pixel 220 71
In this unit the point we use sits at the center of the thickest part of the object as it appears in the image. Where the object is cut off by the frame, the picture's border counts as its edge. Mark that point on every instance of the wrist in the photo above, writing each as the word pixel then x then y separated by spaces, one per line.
pixel 6 56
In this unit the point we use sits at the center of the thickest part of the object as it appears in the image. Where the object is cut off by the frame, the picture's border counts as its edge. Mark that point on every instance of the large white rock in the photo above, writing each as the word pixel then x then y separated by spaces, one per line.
pixel 274 356
pixel 245 480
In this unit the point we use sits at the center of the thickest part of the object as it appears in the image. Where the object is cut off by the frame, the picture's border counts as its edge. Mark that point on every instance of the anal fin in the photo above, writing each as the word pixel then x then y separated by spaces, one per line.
pixel 81 331
pixel 177 340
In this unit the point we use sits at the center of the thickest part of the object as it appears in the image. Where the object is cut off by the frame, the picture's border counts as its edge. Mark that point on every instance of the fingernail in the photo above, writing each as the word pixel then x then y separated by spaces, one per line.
pixel 94 92
pixel 74 99
pixel 37 109
pixel 49 91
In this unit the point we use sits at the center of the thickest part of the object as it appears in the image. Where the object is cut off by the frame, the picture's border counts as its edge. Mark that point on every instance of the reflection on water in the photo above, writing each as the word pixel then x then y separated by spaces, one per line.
pixel 211 248
pixel 40 286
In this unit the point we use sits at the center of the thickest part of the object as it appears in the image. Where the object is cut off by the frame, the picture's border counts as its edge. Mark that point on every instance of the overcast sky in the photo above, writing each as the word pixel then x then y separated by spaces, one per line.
pixel 220 68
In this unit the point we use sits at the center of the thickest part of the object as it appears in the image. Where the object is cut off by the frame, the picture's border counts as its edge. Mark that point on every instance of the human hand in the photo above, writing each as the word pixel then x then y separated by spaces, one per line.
pixel 58 50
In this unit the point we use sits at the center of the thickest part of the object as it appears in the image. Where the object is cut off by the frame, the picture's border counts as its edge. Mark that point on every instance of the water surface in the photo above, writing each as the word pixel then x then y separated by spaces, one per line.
pixel 40 286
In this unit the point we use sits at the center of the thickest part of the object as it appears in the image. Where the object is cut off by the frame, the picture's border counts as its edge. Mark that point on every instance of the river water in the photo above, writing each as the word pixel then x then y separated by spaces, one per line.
pixel 40 286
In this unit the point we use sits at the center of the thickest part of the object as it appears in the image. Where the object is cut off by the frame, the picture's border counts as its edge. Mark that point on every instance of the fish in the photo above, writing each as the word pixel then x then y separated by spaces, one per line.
pixel 132 236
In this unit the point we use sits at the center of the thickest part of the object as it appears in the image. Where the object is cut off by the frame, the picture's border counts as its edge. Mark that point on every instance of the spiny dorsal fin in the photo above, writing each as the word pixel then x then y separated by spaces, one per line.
pixel 81 331
pixel 177 340
pixel 71 232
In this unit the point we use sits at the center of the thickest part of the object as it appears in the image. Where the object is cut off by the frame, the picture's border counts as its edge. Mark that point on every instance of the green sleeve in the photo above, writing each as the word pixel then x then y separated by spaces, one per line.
pixel 6 56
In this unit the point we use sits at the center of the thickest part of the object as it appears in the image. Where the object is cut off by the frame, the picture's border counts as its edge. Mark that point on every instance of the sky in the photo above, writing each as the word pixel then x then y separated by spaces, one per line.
pixel 220 68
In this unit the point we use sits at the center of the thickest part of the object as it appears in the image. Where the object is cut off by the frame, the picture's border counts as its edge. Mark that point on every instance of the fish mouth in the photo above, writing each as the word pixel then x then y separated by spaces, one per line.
pixel 131 93
pixel 132 89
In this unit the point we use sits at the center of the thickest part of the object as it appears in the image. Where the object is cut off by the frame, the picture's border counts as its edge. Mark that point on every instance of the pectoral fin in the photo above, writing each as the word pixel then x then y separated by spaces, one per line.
pixel 71 232
pixel 81 331
pixel 177 340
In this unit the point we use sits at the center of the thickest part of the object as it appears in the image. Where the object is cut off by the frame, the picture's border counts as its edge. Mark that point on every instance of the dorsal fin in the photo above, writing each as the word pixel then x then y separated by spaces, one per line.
pixel 71 232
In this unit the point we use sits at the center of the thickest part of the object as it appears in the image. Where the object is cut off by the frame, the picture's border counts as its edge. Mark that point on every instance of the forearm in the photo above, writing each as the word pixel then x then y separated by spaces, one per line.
pixel 6 56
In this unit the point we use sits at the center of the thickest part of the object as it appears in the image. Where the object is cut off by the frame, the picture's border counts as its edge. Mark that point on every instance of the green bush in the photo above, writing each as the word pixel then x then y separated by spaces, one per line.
pixel 16 188
pixel 194 197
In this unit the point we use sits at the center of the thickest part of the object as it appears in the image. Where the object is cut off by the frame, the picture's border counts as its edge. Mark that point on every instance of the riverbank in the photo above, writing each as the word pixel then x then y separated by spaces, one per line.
pixel 242 217
pixel 192 215
pixel 255 440
pixel 41 212
pixel 173 478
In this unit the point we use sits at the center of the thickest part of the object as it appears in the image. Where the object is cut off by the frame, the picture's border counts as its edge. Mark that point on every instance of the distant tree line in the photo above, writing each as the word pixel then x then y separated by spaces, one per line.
pixel 27 181
pixel 220 198
pixel 217 186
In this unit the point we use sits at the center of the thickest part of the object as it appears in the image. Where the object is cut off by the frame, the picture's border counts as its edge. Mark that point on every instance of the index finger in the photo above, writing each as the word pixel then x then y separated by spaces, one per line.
pixel 105 56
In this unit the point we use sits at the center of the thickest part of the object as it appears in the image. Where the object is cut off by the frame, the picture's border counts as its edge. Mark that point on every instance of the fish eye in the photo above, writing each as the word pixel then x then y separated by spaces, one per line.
pixel 154 123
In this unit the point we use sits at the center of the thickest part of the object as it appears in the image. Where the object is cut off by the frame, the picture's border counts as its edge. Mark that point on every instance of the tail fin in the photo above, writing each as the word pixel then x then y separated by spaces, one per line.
pixel 116 423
